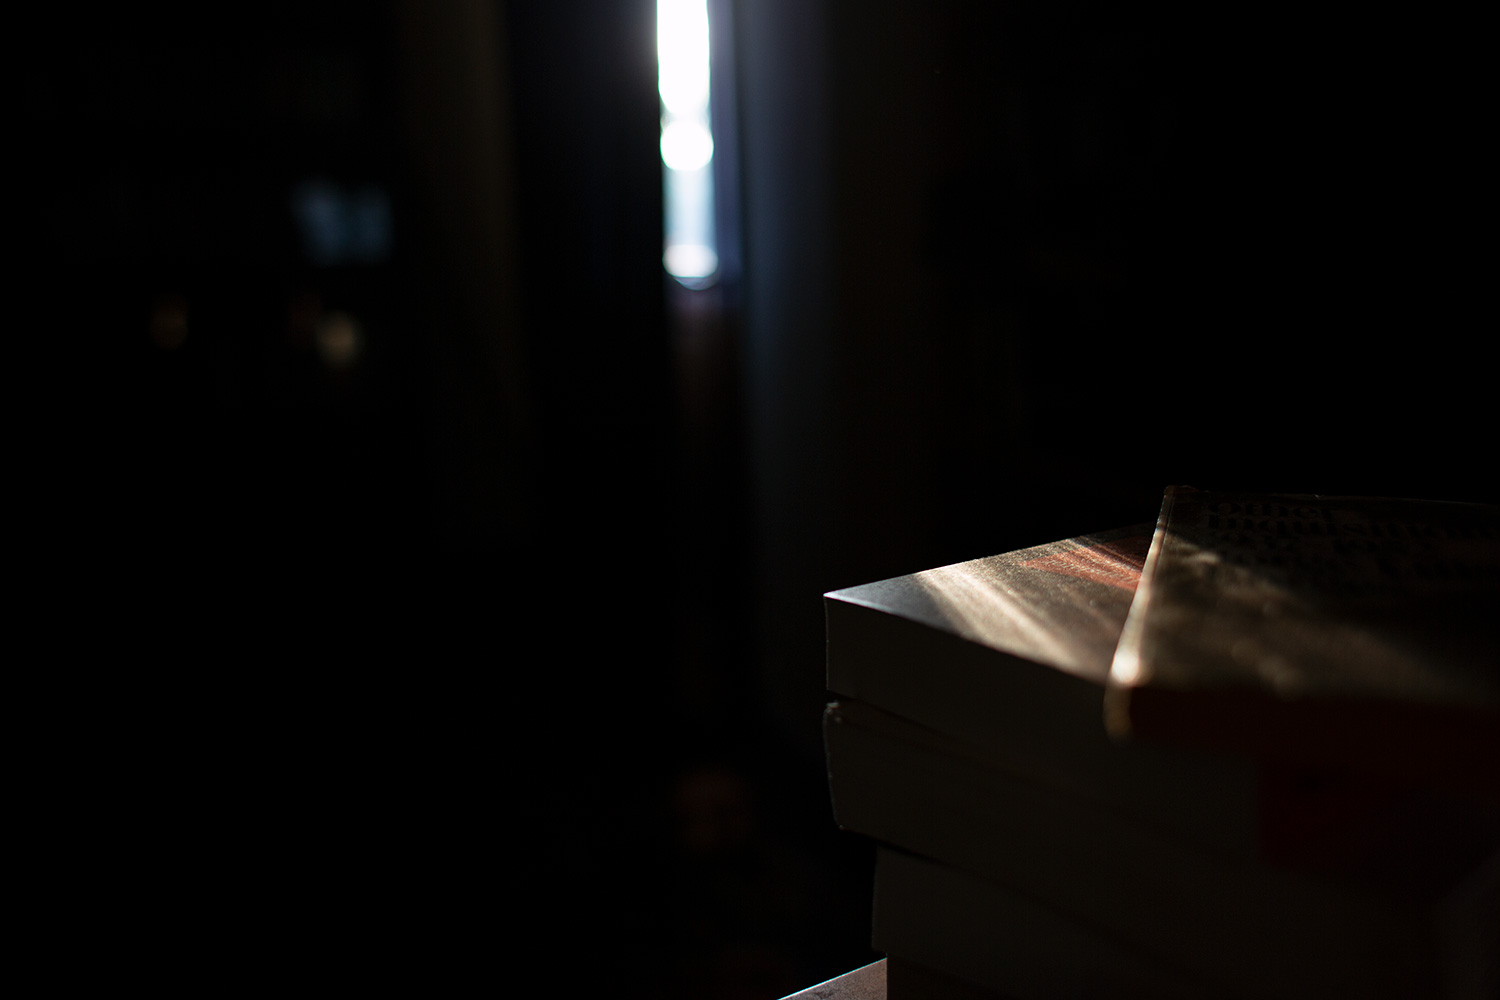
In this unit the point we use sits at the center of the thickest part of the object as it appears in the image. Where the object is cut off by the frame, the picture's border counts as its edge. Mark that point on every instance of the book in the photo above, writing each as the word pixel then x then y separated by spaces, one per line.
pixel 971 732
pixel 956 924
pixel 1255 928
pixel 1346 633
pixel 1010 655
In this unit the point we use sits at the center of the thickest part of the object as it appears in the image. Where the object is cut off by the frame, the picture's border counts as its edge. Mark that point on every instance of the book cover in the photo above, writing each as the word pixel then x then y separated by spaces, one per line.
pixel 1342 632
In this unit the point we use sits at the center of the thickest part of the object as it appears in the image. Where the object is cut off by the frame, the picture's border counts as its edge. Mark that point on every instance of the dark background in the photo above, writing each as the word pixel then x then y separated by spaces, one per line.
pixel 493 647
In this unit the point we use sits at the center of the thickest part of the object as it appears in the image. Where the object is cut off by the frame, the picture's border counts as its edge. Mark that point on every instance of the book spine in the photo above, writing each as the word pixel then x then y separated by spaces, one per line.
pixel 1125 670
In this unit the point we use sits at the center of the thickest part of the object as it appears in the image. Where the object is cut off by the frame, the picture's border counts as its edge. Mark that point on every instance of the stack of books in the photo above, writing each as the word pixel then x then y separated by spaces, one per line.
pixel 1251 752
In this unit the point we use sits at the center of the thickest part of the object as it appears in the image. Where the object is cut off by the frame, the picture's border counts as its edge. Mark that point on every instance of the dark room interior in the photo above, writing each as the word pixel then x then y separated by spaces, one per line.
pixel 447 575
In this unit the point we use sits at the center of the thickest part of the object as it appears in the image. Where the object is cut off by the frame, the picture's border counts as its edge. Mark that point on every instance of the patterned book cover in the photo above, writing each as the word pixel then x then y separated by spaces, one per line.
pixel 1350 632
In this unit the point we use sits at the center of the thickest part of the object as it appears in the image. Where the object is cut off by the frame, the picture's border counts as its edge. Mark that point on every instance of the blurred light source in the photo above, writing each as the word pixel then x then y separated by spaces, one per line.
pixel 339 340
pixel 682 55
pixel 687 145
pixel 688 261
pixel 342 226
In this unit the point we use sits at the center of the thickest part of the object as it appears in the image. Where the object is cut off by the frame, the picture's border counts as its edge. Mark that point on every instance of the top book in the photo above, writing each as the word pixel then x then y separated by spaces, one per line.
pixel 1010 655
pixel 1356 633
pixel 959 648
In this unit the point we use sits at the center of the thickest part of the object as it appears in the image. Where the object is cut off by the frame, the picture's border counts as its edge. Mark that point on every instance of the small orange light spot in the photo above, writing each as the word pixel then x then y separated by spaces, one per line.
pixel 340 340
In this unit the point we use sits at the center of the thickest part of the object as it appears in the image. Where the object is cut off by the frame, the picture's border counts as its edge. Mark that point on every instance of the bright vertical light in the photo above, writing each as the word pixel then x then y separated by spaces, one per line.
pixel 682 55
pixel 687 145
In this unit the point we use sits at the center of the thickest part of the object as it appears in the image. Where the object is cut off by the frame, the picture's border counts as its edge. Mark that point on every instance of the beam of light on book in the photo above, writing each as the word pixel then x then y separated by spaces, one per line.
pixel 976 608
pixel 1126 668
pixel 687 145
